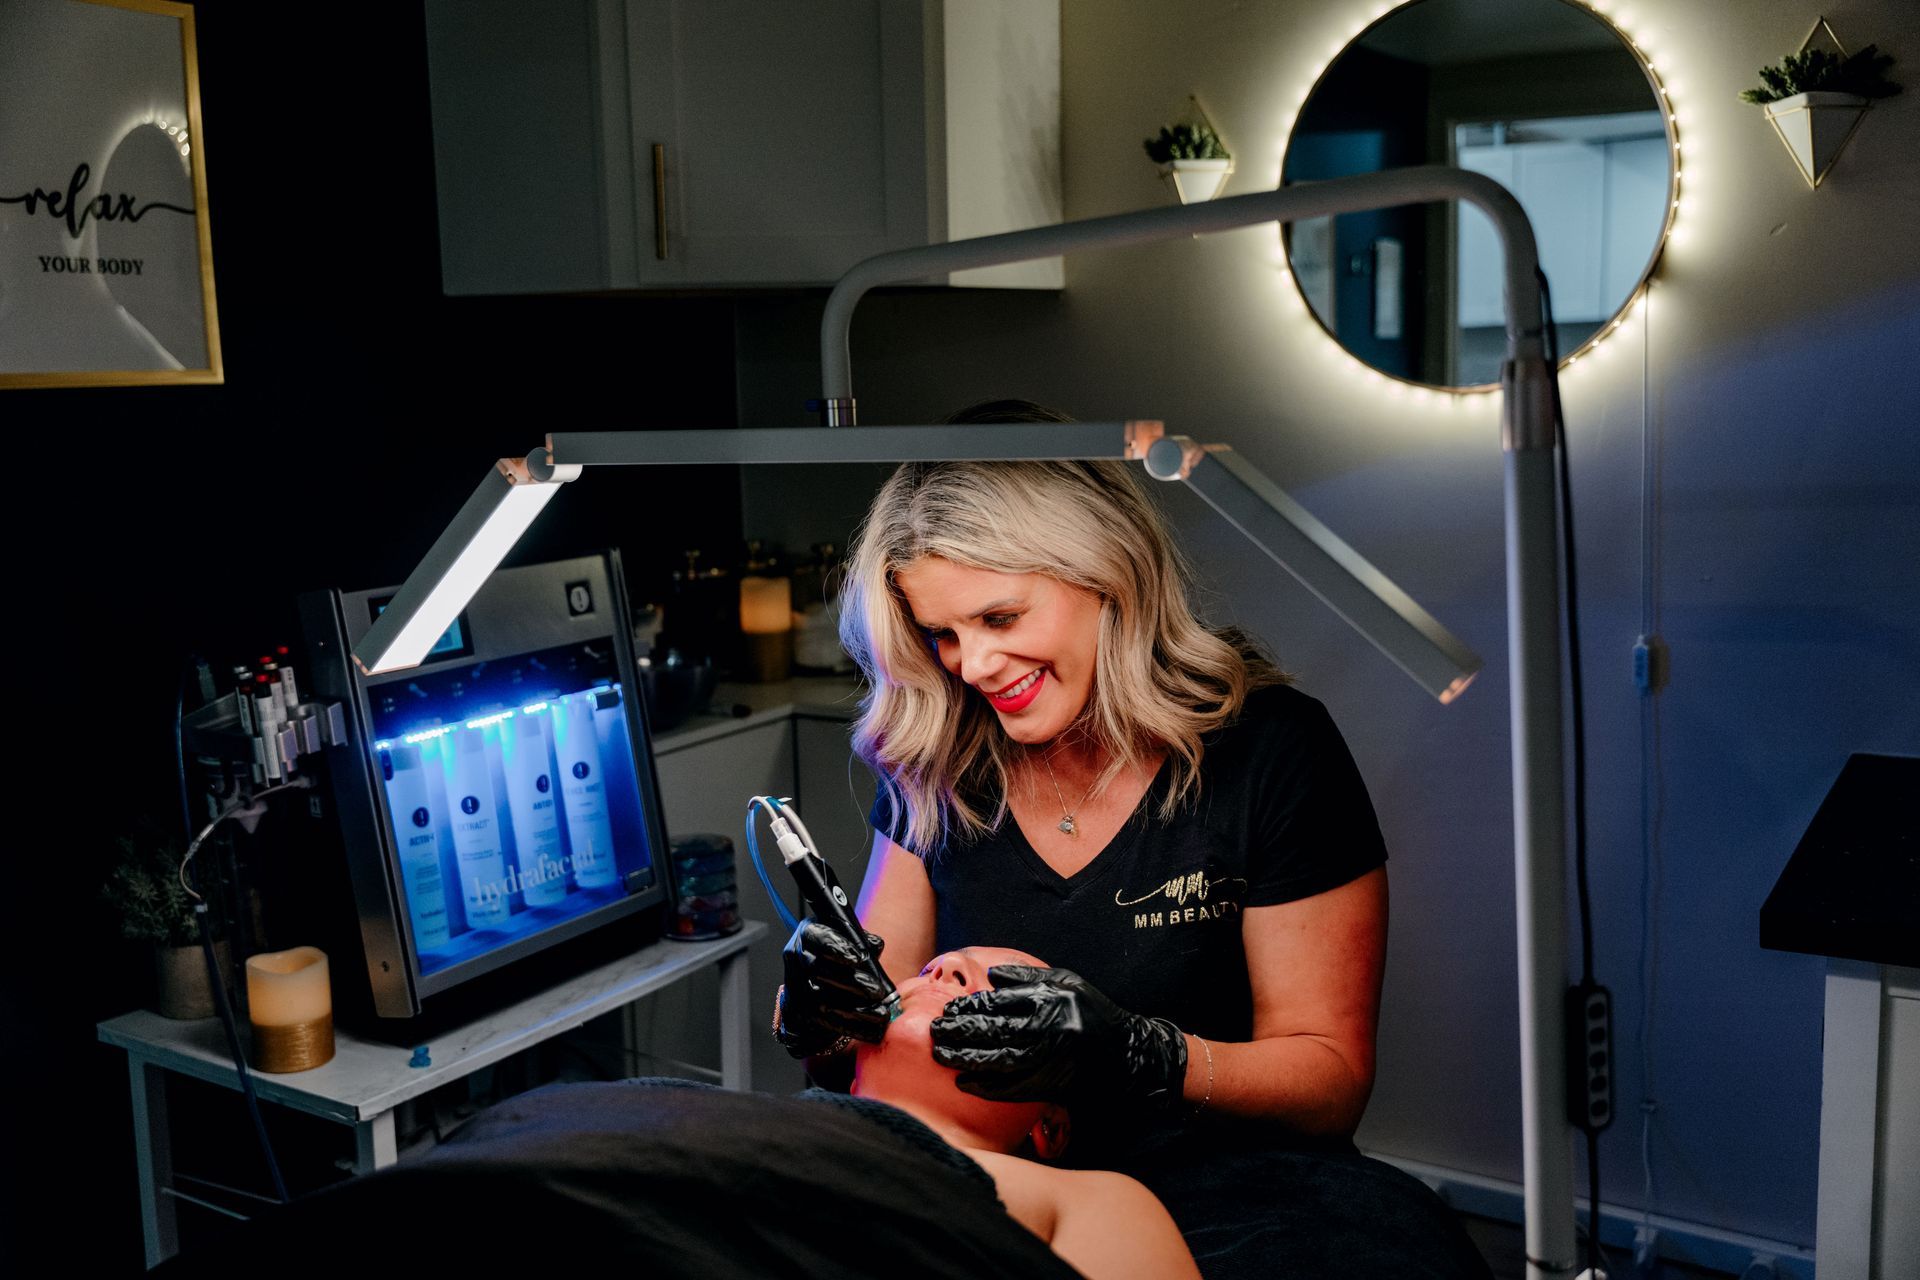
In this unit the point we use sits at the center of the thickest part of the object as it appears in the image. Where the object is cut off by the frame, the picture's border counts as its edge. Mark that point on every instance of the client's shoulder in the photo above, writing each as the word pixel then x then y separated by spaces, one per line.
pixel 1106 1225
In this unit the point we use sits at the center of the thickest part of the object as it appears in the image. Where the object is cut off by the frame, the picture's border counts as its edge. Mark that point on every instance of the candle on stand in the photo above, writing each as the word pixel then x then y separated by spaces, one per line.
pixel 766 618
pixel 290 1004
pixel 766 605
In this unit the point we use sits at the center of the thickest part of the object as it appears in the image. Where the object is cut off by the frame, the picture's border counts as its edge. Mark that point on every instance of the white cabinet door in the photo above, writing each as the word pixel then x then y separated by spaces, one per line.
pixel 515 163
pixel 534 175
pixel 583 145
pixel 795 139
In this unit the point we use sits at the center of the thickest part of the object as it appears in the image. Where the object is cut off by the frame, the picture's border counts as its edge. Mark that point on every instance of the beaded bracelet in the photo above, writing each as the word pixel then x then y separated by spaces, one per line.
pixel 1202 1104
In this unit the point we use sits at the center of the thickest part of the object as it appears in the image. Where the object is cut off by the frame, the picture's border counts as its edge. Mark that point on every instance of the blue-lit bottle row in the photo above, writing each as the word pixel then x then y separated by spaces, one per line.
pixel 505 824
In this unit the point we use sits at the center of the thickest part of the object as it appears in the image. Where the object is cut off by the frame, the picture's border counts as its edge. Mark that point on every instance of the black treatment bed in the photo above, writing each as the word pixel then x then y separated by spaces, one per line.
pixel 664 1178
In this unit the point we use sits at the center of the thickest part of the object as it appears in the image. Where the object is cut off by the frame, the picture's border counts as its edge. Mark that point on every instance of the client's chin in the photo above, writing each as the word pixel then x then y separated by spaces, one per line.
pixel 901 1071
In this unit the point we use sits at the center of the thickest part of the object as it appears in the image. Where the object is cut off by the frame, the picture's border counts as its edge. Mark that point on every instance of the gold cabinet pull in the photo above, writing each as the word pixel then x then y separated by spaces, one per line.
pixel 660 201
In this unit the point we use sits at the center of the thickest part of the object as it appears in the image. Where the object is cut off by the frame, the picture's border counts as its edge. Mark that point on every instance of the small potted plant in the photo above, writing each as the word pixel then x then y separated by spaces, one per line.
pixel 1814 99
pixel 1193 157
pixel 144 890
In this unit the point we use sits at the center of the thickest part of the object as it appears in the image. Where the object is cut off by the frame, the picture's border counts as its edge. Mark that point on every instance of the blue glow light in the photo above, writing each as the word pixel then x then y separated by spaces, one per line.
pixel 496 718
pixel 427 735
pixel 534 709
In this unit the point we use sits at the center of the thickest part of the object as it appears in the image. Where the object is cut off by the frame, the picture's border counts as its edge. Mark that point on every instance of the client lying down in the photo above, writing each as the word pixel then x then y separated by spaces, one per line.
pixel 1103 1224
pixel 677 1181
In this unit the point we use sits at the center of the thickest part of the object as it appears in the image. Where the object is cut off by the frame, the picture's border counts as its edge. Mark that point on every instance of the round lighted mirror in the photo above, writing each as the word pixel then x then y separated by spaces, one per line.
pixel 1546 97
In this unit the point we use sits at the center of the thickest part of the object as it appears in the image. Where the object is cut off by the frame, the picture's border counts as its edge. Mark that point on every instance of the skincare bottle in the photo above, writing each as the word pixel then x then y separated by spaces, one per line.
pixel 527 760
pixel 588 829
pixel 416 838
pixel 476 830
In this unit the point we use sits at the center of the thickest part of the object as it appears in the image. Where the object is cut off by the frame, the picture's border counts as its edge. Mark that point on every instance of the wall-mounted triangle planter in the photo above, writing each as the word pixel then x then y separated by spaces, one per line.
pixel 1197 181
pixel 1815 127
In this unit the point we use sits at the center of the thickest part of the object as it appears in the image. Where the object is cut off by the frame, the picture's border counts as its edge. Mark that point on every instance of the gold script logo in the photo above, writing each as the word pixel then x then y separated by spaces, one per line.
pixel 1195 897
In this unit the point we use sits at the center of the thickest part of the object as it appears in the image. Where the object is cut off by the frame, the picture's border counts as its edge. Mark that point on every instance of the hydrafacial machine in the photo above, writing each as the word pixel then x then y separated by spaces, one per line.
pixel 508 499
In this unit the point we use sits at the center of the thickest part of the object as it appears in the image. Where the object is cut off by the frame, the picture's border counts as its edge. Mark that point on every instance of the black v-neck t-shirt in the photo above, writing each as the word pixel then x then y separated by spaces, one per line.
pixel 1154 919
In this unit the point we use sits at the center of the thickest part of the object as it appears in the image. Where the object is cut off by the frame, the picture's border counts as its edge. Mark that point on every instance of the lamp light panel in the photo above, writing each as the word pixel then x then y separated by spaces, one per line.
pixel 471 548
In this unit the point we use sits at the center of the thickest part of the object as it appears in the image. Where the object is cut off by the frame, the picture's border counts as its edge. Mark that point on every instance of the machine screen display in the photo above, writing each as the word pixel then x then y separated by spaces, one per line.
pixel 453 641
pixel 513 796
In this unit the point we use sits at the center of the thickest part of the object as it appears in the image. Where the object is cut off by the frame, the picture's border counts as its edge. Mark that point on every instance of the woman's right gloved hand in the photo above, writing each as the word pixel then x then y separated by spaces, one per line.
pixel 827 995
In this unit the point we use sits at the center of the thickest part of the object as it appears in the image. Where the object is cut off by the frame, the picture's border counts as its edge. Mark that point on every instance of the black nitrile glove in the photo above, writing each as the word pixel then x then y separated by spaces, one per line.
pixel 1049 1034
pixel 827 994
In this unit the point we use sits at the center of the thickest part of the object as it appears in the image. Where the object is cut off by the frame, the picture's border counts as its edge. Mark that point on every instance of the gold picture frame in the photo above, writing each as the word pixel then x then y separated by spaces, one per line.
pixel 106 258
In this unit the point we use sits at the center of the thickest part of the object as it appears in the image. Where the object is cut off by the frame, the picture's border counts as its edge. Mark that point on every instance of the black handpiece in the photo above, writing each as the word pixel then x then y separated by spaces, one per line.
pixel 830 906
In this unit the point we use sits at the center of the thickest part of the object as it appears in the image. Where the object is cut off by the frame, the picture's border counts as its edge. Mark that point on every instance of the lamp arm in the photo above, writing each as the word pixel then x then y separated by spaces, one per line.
pixel 1338 576
pixel 1286 532
pixel 1418 185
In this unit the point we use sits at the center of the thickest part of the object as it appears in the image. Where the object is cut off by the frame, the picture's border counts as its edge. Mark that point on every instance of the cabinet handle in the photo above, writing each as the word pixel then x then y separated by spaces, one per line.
pixel 660 201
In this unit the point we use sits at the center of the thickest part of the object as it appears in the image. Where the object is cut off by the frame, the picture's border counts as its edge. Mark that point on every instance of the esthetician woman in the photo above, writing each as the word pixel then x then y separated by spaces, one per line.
pixel 1074 766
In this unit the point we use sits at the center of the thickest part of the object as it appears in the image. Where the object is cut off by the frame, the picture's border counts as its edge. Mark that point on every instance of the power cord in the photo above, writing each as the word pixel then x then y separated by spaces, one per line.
pixel 1588 992
pixel 1570 577
pixel 216 980
pixel 1650 783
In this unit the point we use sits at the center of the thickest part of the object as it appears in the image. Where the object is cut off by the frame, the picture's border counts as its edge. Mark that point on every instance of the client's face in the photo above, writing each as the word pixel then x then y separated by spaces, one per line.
pixel 900 1069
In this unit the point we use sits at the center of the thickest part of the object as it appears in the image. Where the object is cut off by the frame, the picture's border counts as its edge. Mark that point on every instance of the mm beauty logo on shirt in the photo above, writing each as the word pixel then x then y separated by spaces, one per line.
pixel 1195 897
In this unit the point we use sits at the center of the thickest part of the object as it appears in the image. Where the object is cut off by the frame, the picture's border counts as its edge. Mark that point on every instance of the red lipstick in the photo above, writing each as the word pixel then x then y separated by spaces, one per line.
pixel 1021 700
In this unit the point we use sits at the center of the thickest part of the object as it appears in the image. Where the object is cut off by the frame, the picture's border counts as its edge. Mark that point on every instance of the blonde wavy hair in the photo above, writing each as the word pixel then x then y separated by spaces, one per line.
pixel 1162 679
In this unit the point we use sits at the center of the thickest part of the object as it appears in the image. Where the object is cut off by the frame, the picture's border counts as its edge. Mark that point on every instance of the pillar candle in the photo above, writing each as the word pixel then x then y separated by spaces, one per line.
pixel 766 605
pixel 287 987
pixel 291 1007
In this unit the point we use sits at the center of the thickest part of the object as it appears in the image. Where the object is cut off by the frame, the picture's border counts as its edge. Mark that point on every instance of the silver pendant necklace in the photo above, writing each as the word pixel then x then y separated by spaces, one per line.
pixel 1066 823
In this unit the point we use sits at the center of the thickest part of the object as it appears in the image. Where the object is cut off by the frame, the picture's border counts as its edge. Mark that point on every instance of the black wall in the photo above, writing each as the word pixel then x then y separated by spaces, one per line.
pixel 360 407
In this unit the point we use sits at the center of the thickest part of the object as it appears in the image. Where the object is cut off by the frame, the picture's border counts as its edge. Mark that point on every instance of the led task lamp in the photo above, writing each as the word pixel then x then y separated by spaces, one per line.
pixel 461 558
pixel 510 497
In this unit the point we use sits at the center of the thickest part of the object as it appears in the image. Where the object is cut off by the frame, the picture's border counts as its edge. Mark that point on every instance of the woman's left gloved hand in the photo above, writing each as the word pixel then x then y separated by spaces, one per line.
pixel 1049 1034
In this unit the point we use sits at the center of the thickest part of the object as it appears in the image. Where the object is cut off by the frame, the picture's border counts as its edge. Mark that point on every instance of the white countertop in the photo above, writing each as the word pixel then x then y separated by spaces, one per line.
pixel 741 707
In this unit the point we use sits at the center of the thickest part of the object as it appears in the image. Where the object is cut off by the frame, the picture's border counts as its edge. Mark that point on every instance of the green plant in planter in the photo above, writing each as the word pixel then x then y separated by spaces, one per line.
pixel 1186 142
pixel 1862 74
pixel 144 890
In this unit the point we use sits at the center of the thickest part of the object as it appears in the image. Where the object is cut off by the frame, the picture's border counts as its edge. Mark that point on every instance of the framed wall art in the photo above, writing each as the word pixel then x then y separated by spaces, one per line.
pixel 106 263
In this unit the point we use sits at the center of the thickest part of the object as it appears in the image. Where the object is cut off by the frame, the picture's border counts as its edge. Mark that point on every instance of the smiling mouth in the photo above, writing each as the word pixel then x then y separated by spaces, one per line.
pixel 1020 686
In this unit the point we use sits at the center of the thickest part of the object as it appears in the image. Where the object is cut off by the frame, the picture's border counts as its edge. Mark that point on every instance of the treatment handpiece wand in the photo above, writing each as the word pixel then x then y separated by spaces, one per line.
pixel 831 907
